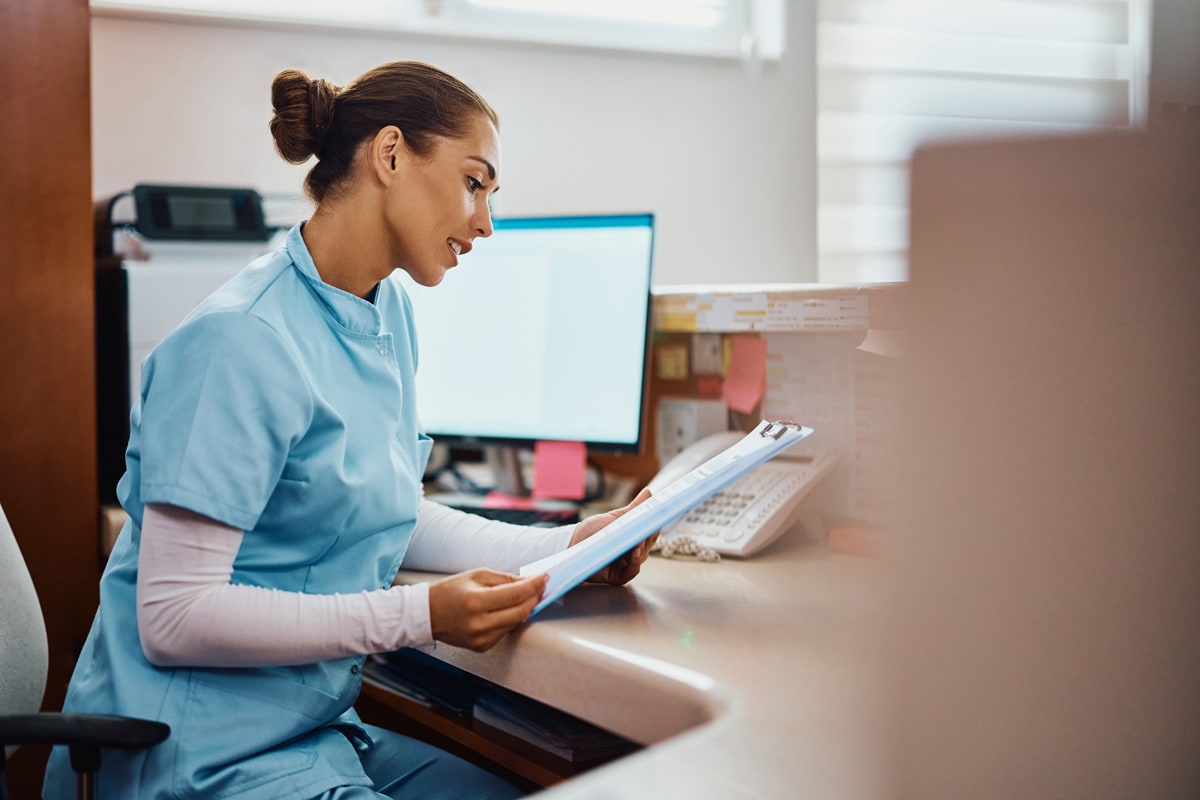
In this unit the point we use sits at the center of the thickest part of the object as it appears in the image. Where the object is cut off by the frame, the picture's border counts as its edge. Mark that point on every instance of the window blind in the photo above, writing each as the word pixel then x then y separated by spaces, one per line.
pixel 894 74
pixel 750 30
pixel 745 29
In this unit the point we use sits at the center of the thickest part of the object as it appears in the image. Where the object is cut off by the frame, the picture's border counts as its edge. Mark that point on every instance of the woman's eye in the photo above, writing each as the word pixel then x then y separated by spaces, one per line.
pixel 474 184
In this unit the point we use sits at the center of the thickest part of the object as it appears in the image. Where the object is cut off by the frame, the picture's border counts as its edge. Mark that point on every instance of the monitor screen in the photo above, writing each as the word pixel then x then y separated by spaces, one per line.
pixel 540 333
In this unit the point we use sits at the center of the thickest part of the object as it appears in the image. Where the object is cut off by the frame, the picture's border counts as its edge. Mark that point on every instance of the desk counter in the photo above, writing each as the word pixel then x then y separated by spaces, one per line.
pixel 746 678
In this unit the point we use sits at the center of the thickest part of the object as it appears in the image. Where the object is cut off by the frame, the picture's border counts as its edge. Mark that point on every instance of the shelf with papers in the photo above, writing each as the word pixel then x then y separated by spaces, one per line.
pixel 775 307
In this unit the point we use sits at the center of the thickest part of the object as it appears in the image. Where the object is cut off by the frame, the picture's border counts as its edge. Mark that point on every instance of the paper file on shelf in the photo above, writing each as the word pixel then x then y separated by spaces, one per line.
pixel 549 729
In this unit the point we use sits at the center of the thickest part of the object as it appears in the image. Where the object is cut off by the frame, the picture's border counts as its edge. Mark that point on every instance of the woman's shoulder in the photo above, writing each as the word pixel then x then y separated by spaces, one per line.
pixel 227 341
pixel 247 307
pixel 257 284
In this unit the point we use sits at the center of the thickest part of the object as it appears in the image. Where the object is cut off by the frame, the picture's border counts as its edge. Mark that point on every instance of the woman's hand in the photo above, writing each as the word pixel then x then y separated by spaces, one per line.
pixel 625 568
pixel 475 609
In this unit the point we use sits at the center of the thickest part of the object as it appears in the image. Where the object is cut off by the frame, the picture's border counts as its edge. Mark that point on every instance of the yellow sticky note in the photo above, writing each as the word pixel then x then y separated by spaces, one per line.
pixel 672 361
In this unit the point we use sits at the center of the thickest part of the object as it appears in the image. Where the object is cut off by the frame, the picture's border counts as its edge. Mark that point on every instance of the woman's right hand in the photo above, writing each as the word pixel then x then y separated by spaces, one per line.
pixel 475 609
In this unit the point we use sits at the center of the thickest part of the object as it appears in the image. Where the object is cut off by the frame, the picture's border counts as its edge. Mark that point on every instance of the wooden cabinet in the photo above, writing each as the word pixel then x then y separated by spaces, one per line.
pixel 47 371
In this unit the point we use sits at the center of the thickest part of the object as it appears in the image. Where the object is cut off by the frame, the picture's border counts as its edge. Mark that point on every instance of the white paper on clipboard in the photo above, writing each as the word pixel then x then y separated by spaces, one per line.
pixel 576 564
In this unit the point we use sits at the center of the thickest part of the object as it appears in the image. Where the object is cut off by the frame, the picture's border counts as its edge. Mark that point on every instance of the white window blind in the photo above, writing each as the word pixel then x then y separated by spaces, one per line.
pixel 747 29
pixel 750 30
pixel 893 74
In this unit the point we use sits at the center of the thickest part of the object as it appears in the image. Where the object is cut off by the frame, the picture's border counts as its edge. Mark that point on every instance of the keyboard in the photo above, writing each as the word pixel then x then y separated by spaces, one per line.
pixel 543 517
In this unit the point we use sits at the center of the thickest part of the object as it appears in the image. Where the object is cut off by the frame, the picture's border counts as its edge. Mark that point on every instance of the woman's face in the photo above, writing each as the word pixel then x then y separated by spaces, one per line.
pixel 440 204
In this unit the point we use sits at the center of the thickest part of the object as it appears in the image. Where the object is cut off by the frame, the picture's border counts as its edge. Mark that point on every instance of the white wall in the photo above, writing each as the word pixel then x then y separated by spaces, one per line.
pixel 726 160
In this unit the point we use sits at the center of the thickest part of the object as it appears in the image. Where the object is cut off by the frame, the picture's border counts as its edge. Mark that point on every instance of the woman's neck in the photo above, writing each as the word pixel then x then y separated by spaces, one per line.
pixel 346 249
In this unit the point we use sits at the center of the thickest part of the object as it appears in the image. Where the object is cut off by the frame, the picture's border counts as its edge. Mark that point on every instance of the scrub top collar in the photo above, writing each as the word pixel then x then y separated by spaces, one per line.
pixel 351 312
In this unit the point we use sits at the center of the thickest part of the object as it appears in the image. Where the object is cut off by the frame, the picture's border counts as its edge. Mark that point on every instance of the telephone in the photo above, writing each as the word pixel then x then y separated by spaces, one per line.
pixel 754 510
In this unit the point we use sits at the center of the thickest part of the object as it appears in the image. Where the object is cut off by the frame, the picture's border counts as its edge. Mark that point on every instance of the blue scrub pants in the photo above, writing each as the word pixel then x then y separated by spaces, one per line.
pixel 403 768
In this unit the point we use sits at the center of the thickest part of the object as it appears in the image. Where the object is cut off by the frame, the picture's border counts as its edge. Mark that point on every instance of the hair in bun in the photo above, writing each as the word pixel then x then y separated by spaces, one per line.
pixel 303 114
pixel 314 117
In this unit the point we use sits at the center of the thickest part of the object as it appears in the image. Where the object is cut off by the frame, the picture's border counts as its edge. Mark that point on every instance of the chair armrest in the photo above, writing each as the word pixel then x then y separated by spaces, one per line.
pixel 84 734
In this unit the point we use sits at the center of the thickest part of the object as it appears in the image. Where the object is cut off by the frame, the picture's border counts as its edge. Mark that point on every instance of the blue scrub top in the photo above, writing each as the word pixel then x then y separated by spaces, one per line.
pixel 284 407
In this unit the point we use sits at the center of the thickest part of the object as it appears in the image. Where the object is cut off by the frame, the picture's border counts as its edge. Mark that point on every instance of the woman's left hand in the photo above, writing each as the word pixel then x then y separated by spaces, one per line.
pixel 624 568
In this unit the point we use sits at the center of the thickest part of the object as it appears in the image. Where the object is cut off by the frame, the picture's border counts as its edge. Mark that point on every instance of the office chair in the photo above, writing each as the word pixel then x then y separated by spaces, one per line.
pixel 24 659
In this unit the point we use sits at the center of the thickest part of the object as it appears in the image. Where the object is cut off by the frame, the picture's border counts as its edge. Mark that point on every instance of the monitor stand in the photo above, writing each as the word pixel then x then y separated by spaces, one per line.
pixel 506 468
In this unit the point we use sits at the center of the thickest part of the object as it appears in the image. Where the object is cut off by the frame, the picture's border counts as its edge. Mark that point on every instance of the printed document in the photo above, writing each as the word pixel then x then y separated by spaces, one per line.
pixel 576 564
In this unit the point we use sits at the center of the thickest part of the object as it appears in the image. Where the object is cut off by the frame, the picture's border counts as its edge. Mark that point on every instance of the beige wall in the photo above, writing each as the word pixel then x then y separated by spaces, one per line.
pixel 726 161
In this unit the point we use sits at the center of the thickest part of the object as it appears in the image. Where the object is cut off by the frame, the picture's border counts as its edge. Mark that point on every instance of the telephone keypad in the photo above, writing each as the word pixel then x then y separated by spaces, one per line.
pixel 731 521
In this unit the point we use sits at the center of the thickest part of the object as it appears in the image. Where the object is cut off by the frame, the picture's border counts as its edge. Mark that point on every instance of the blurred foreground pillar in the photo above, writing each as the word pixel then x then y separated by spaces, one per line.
pixel 1046 635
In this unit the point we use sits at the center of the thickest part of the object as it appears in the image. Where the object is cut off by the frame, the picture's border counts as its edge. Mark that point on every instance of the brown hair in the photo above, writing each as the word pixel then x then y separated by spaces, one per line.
pixel 314 117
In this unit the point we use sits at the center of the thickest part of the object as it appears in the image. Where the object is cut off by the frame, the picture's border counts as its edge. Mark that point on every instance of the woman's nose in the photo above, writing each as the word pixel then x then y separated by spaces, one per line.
pixel 483 222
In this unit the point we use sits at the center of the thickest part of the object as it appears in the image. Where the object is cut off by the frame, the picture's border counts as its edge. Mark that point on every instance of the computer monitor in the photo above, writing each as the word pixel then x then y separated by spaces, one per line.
pixel 540 333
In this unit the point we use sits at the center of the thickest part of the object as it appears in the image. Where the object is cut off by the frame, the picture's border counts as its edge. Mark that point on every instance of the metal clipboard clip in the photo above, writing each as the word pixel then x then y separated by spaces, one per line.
pixel 774 430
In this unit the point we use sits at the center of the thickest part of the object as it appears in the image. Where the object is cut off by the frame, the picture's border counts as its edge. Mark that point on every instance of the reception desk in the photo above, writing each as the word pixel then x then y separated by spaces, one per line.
pixel 743 678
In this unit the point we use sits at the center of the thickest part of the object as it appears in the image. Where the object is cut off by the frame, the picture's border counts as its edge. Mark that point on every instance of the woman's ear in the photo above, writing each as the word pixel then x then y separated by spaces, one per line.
pixel 387 154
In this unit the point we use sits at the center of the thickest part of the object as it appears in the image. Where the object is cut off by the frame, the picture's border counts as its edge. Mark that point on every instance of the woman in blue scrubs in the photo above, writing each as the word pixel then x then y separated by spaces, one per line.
pixel 273 480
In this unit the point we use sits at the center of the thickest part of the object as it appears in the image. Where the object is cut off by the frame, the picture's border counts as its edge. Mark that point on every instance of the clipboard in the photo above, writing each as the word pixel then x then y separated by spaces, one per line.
pixel 576 564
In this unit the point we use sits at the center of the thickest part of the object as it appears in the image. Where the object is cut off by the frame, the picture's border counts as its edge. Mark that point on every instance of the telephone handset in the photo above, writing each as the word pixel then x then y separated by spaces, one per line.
pixel 754 510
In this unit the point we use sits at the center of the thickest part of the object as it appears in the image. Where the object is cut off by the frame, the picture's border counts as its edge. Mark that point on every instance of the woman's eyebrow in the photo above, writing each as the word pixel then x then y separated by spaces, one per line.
pixel 491 169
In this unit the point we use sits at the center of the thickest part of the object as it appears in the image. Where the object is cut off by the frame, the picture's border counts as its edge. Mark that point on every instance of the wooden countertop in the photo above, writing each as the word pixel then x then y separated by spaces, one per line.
pixel 747 678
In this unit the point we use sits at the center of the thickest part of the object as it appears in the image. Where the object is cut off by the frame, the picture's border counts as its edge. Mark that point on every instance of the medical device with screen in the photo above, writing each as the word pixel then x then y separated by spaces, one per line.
pixel 540 333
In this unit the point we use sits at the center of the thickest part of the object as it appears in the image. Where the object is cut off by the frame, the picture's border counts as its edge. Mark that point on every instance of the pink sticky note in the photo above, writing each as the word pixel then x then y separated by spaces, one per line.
pixel 746 380
pixel 559 470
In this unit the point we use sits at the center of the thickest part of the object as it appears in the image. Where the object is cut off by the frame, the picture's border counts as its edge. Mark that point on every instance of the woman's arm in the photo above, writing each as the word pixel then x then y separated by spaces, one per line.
pixel 189 614
pixel 449 540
